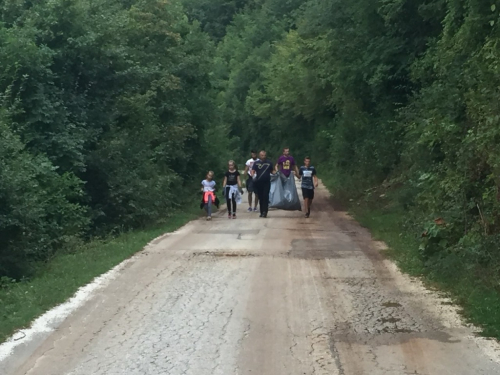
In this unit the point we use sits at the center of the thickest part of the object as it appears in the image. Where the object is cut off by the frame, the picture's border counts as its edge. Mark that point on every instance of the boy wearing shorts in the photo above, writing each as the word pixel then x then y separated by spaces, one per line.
pixel 309 181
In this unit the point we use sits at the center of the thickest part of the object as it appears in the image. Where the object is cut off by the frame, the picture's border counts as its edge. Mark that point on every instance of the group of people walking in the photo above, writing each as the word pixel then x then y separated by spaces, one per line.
pixel 258 172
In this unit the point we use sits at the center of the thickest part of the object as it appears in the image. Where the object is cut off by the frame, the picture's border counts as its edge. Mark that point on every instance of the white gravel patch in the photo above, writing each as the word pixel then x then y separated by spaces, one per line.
pixel 444 310
pixel 49 321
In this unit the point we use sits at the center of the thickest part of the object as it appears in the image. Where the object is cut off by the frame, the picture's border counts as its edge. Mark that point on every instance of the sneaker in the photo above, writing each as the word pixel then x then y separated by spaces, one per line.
pixel 229 216
pixel 234 216
pixel 307 215
pixel 249 209
pixel 264 215
pixel 255 209
pixel 261 215
pixel 209 218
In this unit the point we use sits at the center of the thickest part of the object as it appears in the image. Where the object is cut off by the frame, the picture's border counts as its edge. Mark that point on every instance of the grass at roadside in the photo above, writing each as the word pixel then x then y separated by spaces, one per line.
pixel 476 289
pixel 480 301
pixel 59 279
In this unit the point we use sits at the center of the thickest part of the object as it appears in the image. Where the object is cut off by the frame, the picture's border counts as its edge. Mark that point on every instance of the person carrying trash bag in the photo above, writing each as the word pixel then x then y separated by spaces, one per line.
pixel 261 173
pixel 286 164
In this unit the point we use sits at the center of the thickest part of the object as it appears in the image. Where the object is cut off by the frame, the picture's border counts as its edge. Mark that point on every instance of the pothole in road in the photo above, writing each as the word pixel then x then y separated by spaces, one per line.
pixel 389 320
pixel 316 249
pixel 403 330
pixel 349 232
pixel 226 254
pixel 231 231
pixel 397 336
pixel 314 254
pixel 391 304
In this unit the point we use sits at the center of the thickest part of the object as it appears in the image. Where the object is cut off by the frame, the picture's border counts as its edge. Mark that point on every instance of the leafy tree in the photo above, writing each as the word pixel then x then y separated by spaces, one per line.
pixel 214 15
pixel 111 113
pixel 38 213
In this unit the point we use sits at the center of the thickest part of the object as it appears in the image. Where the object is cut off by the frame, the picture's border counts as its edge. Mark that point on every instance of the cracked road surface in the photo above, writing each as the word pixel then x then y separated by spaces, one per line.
pixel 278 296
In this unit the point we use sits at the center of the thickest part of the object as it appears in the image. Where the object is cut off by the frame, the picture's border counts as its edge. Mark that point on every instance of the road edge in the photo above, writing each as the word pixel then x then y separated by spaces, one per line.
pixel 44 325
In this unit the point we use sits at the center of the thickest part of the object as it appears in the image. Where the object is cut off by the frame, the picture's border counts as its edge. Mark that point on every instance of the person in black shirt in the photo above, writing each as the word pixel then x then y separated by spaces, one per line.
pixel 261 173
pixel 230 185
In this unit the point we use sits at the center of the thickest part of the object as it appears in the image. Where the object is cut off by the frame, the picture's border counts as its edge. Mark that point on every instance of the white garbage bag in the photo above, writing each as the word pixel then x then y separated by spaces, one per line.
pixel 283 193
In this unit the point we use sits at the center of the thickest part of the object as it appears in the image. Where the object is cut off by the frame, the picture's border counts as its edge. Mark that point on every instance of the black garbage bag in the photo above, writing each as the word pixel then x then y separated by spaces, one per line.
pixel 276 194
pixel 283 194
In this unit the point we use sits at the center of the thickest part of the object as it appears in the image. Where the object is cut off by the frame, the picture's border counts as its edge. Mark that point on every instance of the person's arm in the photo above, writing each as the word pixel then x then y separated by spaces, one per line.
pixel 296 170
pixel 246 169
pixel 224 183
pixel 315 177
pixel 254 170
pixel 239 184
pixel 202 186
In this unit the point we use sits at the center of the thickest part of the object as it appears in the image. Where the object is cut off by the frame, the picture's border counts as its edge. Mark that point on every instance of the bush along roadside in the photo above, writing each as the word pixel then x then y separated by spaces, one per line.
pixel 464 265
pixel 56 281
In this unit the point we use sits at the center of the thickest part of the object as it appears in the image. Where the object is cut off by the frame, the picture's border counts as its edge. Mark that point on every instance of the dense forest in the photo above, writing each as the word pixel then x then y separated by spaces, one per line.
pixel 111 109
pixel 107 113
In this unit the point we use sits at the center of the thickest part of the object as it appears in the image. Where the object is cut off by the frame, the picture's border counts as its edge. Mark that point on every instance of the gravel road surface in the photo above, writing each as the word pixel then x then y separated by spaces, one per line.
pixel 284 295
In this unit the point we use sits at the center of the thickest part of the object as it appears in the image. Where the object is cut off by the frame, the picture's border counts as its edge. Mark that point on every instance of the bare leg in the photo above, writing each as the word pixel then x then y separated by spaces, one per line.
pixel 256 200
pixel 249 199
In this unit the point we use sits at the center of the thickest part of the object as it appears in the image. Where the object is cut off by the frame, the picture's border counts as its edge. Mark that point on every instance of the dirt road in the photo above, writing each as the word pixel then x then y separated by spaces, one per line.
pixel 278 296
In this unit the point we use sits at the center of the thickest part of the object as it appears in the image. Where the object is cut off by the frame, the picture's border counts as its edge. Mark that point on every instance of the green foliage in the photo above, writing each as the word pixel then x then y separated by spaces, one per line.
pixel 380 92
pixel 107 115
pixel 214 15
pixel 37 210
